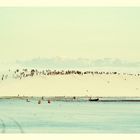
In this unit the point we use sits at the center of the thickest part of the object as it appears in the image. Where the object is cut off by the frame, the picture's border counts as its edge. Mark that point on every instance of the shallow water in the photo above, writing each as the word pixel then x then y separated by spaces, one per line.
pixel 19 116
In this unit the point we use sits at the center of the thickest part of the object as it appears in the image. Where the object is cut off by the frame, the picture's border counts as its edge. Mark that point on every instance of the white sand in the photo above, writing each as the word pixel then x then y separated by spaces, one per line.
pixel 72 85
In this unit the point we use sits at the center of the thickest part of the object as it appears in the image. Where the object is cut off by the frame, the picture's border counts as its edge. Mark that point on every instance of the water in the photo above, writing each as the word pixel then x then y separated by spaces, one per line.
pixel 19 116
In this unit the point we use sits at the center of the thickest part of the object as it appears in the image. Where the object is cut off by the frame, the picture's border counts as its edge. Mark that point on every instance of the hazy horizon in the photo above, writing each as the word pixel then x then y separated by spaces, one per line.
pixel 69 32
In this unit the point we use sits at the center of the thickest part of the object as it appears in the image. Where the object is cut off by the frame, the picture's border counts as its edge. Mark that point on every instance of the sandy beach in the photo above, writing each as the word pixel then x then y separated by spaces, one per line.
pixel 72 85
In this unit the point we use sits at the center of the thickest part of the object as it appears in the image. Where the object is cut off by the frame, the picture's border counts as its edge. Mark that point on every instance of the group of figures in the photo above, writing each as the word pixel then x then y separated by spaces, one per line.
pixel 19 74
pixel 40 100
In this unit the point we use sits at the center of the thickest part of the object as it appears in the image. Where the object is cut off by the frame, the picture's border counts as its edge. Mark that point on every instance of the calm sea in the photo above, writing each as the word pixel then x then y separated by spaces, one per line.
pixel 19 116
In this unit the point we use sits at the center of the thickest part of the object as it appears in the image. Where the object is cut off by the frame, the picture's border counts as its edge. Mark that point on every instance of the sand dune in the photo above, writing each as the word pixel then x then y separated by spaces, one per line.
pixel 72 85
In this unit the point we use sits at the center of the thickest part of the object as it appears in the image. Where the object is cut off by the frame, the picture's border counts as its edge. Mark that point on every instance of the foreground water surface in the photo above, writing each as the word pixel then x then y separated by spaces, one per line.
pixel 19 116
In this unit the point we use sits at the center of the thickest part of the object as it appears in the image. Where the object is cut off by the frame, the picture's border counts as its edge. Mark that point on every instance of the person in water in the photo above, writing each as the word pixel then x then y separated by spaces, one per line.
pixel 49 101
pixel 39 102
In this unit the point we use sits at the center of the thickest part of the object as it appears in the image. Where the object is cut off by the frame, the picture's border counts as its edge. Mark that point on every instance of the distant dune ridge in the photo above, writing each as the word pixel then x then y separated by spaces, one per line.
pixel 59 62
pixel 69 83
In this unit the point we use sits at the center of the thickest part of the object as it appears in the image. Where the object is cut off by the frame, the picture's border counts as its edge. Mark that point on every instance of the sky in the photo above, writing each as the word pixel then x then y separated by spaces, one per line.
pixel 69 32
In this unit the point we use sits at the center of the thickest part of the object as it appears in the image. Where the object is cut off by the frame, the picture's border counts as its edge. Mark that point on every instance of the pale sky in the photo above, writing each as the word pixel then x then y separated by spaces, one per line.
pixel 27 33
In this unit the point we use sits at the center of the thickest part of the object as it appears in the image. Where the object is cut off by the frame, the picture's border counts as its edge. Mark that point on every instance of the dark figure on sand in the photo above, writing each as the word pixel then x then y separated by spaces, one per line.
pixel 74 97
pixel 39 102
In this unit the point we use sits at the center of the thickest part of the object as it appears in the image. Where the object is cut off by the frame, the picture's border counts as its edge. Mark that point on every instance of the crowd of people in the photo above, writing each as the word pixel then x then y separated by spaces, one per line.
pixel 19 74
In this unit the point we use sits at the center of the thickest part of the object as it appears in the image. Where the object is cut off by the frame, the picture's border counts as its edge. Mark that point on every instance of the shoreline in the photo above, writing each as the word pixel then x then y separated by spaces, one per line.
pixel 73 99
